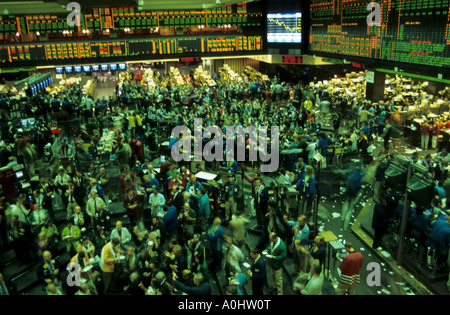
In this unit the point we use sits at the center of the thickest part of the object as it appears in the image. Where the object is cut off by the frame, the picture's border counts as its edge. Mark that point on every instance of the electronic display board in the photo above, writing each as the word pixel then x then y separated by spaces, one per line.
pixel 117 19
pixel 104 67
pixel 95 68
pixel 414 31
pixel 161 46
pixel 284 27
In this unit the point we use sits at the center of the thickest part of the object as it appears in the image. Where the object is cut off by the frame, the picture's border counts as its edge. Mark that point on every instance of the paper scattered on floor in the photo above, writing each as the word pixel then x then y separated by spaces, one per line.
pixel 385 254
pixel 335 214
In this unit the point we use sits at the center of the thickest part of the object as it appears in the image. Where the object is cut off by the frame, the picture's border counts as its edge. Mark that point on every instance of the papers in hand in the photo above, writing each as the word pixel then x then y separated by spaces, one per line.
pixel 87 268
pixel 246 265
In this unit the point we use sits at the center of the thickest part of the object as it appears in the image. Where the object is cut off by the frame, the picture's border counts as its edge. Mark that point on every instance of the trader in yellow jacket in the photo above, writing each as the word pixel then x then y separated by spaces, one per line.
pixel 109 258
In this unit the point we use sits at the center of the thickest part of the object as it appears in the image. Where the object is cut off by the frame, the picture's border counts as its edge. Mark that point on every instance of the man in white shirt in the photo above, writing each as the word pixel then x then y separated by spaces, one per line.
pixel 62 180
pixel 93 205
pixel 121 233
pixel 156 203
pixel 77 217
pixel 19 210
pixel 311 148
pixel 314 282
pixel 38 218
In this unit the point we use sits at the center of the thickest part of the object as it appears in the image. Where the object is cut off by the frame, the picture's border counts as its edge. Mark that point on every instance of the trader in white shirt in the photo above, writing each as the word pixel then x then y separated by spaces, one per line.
pixel 156 203
pixel 122 234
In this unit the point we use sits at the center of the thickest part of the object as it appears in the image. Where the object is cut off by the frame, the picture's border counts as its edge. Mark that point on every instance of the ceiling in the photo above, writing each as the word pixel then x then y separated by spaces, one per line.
pixel 15 7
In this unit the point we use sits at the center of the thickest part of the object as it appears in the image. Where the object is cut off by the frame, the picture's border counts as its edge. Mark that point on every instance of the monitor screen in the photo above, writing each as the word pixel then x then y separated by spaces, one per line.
pixel 68 69
pixel 284 27
pixel 122 66
pixel 95 68
pixel 104 67
pixel 59 70
pixel 113 67
pixel 31 121
pixel 86 68
pixel 77 69
pixel 24 122
pixel 19 174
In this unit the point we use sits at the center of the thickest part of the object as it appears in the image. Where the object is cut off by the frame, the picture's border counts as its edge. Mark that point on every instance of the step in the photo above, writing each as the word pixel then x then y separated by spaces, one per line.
pixel 26 280
pixel 8 256
pixel 16 268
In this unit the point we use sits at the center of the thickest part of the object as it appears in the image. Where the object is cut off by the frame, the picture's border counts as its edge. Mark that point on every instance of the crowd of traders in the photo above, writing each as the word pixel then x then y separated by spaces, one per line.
pixel 174 230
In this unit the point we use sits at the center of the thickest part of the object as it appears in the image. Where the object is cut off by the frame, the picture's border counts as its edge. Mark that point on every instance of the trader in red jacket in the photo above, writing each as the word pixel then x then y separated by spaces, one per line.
pixel 350 267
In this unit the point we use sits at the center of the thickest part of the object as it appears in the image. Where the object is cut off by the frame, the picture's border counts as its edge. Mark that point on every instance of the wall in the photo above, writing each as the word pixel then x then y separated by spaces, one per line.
pixel 236 64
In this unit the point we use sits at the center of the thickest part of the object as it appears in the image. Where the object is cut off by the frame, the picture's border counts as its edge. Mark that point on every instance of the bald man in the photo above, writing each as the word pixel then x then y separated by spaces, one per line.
pixel 121 233
pixel 46 270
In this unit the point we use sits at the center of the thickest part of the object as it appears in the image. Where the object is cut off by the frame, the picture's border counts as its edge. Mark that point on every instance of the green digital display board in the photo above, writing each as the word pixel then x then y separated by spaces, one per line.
pixel 413 31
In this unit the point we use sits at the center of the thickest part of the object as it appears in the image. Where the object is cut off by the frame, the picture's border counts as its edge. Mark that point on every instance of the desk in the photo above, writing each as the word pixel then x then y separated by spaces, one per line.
pixel 206 176
pixel 332 244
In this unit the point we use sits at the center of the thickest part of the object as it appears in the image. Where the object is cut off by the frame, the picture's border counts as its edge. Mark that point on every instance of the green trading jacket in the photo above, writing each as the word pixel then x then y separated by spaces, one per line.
pixel 279 254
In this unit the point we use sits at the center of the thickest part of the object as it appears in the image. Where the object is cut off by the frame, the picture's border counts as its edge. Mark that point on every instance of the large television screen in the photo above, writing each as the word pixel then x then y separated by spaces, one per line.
pixel 68 69
pixel 284 27
pixel 415 32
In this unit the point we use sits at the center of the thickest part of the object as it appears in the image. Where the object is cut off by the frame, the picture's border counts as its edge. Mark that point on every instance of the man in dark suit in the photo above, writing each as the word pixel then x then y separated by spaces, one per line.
pixel 318 249
pixel 201 286
pixel 47 271
pixel 257 272
pixel 261 200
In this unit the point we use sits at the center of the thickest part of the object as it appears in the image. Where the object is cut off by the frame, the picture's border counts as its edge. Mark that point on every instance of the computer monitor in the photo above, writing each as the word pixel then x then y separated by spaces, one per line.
pixel 113 67
pixel 59 70
pixel 95 68
pixel 31 121
pixel 104 67
pixel 19 174
pixel 24 122
pixel 68 69
pixel 86 68
pixel 122 66
pixel 77 69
